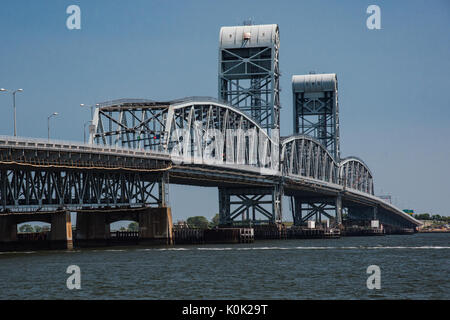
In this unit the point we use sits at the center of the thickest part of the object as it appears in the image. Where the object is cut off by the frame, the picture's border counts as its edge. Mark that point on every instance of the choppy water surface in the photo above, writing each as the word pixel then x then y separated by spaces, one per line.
pixel 412 267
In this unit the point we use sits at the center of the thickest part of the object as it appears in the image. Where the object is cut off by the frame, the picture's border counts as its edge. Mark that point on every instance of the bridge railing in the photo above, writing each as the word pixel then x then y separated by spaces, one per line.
pixel 73 145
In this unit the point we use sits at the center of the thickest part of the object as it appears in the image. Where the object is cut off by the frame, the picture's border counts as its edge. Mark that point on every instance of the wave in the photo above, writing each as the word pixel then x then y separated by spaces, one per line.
pixel 324 248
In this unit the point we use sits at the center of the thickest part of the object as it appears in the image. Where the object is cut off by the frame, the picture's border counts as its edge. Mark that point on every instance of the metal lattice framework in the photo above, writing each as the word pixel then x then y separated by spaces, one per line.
pixel 249 72
pixel 355 174
pixel 188 129
pixel 131 123
pixel 316 109
pixel 303 209
pixel 306 157
pixel 46 175
pixel 252 205
pixel 74 189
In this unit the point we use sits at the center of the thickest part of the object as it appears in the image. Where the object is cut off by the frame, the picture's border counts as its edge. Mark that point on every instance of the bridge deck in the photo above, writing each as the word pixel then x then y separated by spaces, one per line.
pixel 35 154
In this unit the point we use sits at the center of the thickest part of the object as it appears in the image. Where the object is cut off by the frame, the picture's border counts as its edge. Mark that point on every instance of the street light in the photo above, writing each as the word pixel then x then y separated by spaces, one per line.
pixel 14 105
pixel 48 123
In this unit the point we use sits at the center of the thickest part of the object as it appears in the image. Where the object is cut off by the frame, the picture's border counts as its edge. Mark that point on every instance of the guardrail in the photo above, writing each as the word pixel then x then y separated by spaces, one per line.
pixel 74 146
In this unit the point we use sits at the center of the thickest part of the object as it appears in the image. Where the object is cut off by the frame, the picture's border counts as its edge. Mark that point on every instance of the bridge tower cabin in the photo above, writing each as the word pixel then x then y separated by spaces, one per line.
pixel 249 80
pixel 316 114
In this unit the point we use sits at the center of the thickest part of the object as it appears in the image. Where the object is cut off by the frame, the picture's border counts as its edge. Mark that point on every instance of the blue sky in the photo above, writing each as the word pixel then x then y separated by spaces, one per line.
pixel 393 82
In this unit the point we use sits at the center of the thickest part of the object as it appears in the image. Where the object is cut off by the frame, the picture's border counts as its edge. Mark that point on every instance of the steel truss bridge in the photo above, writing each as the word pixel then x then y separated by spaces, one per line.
pixel 138 146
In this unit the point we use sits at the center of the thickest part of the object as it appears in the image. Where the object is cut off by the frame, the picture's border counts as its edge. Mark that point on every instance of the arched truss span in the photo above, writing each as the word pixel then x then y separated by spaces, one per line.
pixel 305 156
pixel 355 174
pixel 193 128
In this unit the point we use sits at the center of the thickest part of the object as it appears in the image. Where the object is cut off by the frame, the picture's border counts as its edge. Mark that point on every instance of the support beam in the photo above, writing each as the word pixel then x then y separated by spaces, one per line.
pixel 163 190
pixel 339 209
pixel 155 226
pixel 304 209
pixel 250 205
pixel 8 228
pixel 61 231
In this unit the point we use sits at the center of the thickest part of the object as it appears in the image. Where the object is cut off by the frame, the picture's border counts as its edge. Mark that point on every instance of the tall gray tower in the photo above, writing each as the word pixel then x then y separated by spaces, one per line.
pixel 316 109
pixel 249 73
pixel 249 80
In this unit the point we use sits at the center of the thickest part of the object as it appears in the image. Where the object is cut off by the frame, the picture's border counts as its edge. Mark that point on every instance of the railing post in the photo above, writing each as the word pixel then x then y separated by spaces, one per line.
pixel 339 209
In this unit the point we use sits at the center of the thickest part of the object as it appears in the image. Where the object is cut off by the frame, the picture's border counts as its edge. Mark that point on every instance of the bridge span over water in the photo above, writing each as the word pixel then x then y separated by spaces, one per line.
pixel 130 171
pixel 138 146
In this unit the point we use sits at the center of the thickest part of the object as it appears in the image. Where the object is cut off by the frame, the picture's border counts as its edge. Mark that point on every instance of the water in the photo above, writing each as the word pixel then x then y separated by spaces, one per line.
pixel 412 267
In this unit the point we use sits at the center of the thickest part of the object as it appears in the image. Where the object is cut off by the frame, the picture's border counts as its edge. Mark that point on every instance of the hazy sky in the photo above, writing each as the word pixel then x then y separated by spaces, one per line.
pixel 393 82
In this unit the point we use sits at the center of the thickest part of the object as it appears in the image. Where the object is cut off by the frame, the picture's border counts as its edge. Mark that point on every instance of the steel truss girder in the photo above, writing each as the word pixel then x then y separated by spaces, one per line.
pixel 37 189
pixel 249 80
pixel 304 156
pixel 187 129
pixel 303 209
pixel 355 174
pixel 133 125
pixel 252 205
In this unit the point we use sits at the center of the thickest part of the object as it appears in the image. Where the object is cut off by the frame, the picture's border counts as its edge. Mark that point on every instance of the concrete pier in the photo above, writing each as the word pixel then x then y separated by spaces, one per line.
pixel 61 231
pixel 155 226
pixel 8 229
pixel 60 236
pixel 93 229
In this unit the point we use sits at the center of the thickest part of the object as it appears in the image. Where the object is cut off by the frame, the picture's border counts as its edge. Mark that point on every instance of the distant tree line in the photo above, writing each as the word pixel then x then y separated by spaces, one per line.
pixel 435 217
pixel 29 228
pixel 133 226
pixel 201 222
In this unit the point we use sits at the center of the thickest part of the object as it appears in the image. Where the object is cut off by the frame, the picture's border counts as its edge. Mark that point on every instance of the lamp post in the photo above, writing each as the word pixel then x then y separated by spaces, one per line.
pixel 14 106
pixel 48 123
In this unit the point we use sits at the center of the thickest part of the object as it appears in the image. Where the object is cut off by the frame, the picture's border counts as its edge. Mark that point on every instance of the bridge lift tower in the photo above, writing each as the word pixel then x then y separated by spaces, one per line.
pixel 316 109
pixel 316 114
pixel 249 80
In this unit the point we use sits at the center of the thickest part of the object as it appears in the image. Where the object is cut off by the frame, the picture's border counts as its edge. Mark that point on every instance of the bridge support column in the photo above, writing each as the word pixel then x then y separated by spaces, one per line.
pixel 339 209
pixel 155 226
pixel 61 231
pixel 93 229
pixel 163 190
pixel 252 205
pixel 304 209
pixel 8 228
